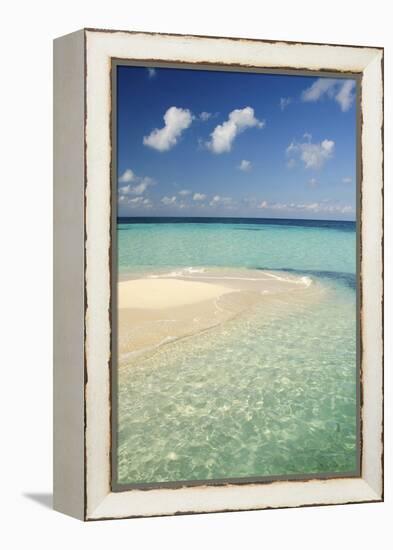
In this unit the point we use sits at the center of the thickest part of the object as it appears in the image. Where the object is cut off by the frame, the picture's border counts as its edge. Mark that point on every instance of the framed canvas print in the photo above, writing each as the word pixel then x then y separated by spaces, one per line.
pixel 218 274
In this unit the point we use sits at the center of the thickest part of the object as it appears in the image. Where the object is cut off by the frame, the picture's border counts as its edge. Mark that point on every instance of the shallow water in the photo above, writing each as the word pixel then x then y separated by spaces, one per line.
pixel 271 392
pixel 327 246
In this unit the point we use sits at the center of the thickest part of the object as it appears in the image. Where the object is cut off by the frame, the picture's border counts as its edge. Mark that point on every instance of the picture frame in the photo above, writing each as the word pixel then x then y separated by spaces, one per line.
pixel 85 219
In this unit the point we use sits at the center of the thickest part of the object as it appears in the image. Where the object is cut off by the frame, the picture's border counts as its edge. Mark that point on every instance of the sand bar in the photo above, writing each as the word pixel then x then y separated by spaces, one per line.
pixel 157 309
pixel 166 293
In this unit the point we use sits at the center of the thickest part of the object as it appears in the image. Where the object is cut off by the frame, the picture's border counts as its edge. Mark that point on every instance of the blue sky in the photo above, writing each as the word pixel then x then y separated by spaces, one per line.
pixel 217 143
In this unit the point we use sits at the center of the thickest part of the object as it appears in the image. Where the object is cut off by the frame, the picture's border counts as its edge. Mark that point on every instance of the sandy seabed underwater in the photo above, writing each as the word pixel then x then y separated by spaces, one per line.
pixel 269 390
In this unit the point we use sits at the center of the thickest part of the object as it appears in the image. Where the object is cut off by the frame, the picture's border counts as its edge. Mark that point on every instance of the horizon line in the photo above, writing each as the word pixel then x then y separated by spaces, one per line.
pixel 238 218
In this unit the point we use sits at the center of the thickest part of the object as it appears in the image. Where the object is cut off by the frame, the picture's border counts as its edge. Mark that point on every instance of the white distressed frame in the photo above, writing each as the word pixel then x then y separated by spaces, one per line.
pixel 100 47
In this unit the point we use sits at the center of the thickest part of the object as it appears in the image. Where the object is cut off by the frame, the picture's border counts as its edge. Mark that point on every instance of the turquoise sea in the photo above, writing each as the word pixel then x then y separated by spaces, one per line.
pixel 248 398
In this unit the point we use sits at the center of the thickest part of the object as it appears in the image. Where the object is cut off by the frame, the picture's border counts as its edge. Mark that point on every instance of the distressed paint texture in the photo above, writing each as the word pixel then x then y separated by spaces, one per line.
pixel 101 48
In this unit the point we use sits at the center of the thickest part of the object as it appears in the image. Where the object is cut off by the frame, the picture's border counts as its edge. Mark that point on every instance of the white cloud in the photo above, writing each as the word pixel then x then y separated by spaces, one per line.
pixel 279 206
pixel 319 88
pixel 137 185
pixel 125 190
pixel 199 197
pixel 347 180
pixel 308 206
pixel 127 176
pixel 168 200
pixel 224 134
pixel 217 200
pixel 184 192
pixel 314 155
pixel 135 202
pixel 142 186
pixel 245 165
pixel 204 116
pixel 346 95
pixel 176 121
pixel 323 207
pixel 342 91
pixel 284 102
pixel 313 182
pixel 139 189
pixel 151 72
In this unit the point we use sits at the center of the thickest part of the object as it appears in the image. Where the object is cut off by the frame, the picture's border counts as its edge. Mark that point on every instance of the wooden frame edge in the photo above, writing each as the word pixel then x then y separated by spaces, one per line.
pixel 99 510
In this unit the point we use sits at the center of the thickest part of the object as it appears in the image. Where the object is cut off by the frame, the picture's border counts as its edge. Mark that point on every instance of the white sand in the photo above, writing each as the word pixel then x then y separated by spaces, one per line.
pixel 155 311
pixel 166 293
